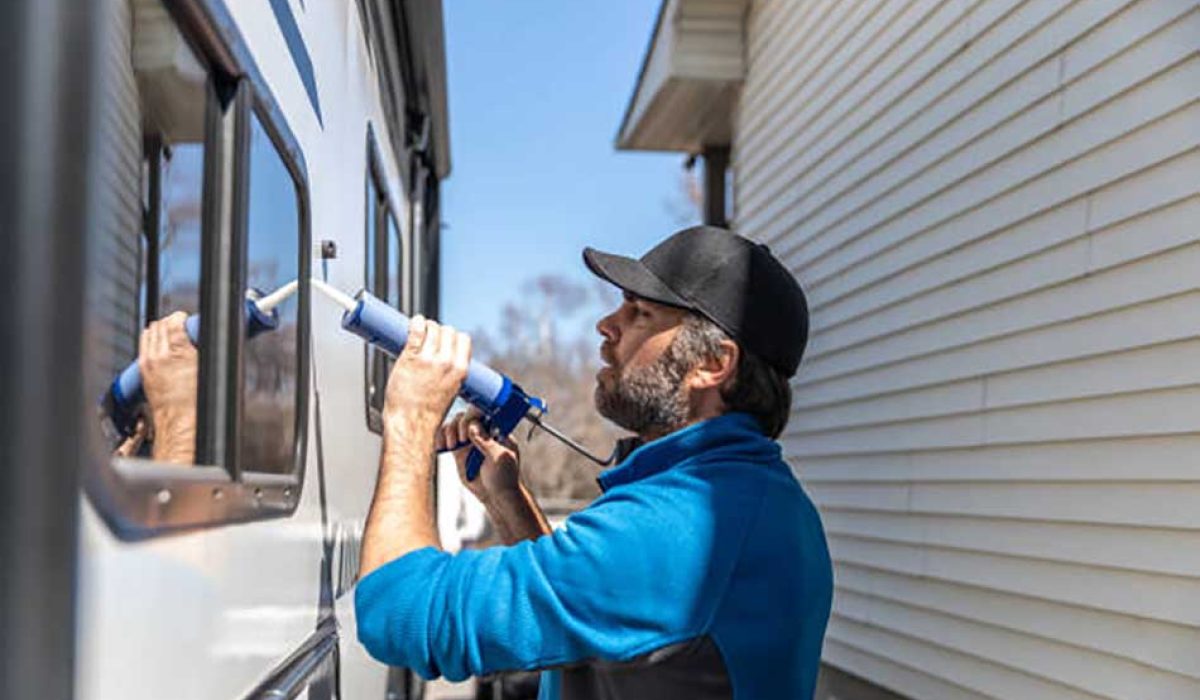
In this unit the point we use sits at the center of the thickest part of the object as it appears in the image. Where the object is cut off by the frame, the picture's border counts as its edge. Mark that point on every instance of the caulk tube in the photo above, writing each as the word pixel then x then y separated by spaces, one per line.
pixel 386 328
pixel 125 394
pixel 501 401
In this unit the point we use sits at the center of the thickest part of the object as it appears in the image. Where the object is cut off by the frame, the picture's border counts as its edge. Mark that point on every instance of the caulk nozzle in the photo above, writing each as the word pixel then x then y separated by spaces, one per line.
pixel 277 297
pixel 338 296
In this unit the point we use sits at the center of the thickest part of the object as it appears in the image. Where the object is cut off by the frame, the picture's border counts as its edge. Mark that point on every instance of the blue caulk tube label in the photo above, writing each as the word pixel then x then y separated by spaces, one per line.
pixel 501 401
pixel 386 328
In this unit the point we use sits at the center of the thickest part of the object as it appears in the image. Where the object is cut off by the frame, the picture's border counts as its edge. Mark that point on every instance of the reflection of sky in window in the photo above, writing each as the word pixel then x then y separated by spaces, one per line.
pixel 179 235
pixel 393 271
pixel 372 203
pixel 271 252
pixel 272 258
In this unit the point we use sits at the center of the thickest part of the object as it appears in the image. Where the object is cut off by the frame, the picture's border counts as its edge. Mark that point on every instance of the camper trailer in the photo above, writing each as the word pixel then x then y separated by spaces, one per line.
pixel 239 146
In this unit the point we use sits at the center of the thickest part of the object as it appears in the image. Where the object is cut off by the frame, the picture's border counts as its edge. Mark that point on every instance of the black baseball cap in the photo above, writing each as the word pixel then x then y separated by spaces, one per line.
pixel 732 281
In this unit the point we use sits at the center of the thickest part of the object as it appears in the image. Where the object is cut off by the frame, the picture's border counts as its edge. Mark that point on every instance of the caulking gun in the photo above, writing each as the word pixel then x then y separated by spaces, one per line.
pixel 125 396
pixel 502 402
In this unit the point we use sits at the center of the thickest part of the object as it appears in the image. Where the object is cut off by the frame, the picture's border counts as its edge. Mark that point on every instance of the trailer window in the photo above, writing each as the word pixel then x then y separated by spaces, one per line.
pixel 395 274
pixel 169 87
pixel 271 358
pixel 173 178
pixel 384 276
pixel 205 196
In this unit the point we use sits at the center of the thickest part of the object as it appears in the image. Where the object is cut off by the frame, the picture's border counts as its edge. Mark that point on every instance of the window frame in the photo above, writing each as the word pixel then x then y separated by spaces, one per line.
pixel 236 420
pixel 138 498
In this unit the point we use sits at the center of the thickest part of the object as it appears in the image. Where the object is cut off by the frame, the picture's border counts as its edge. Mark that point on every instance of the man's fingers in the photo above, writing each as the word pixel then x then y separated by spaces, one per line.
pixel 433 337
pixel 462 352
pixel 144 342
pixel 465 421
pixel 176 331
pixel 490 448
pixel 445 349
pixel 447 436
pixel 418 328
pixel 158 339
pixel 446 343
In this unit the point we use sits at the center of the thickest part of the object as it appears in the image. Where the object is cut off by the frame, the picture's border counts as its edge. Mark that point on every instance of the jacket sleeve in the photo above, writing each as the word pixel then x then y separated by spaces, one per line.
pixel 634 572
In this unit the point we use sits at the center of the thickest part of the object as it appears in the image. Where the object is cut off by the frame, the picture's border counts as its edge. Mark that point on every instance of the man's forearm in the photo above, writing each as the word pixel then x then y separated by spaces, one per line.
pixel 517 516
pixel 402 516
pixel 174 436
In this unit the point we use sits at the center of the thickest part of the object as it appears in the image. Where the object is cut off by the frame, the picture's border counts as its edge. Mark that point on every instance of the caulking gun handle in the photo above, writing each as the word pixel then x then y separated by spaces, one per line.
pixel 474 458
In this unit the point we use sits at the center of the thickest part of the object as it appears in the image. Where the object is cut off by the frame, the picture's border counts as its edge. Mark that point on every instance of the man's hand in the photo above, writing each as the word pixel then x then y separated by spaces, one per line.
pixel 425 379
pixel 423 384
pixel 130 445
pixel 500 475
pixel 498 486
pixel 170 368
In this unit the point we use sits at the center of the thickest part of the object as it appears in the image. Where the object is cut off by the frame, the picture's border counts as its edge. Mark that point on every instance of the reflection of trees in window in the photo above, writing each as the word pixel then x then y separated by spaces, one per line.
pixel 172 90
pixel 272 259
pixel 179 230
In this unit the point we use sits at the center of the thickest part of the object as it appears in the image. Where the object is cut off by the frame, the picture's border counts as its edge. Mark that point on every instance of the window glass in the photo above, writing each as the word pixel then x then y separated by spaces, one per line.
pixel 168 90
pixel 378 282
pixel 182 177
pixel 394 272
pixel 271 357
pixel 173 178
pixel 372 196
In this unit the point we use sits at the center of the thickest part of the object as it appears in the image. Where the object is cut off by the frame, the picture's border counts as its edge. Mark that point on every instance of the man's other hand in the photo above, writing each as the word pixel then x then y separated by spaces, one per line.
pixel 500 475
pixel 170 367
pixel 425 379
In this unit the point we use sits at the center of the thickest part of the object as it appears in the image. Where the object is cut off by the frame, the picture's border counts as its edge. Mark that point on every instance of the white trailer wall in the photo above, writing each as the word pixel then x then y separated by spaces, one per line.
pixel 995 210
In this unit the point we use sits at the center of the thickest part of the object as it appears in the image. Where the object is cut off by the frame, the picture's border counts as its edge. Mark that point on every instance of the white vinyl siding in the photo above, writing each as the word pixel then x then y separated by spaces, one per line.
pixel 994 208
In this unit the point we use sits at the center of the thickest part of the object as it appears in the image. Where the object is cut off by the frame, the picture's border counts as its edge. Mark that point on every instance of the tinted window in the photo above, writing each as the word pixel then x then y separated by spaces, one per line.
pixel 378 282
pixel 272 259
pixel 170 101
pixel 372 213
pixel 394 258
pixel 173 229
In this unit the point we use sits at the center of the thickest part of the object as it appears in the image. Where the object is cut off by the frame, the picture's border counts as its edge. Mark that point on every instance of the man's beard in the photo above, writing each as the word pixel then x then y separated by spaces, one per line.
pixel 649 400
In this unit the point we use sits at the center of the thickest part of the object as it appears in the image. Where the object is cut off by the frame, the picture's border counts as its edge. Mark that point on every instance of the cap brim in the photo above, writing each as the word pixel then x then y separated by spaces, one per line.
pixel 632 276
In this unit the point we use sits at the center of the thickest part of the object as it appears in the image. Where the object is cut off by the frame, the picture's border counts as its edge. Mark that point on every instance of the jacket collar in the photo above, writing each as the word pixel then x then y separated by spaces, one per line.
pixel 661 454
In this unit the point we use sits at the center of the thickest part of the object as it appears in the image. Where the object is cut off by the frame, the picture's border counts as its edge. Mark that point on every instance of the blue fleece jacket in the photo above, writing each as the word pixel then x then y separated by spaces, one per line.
pixel 704 532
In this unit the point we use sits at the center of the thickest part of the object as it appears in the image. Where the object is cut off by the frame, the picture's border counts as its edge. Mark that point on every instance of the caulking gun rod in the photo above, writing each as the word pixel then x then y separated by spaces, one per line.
pixel 562 437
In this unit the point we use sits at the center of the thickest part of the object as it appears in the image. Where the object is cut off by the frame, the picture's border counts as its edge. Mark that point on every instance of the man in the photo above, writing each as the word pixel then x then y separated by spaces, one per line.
pixel 701 572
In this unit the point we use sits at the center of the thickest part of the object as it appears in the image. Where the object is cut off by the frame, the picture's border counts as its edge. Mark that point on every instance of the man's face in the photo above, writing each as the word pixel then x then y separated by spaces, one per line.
pixel 640 388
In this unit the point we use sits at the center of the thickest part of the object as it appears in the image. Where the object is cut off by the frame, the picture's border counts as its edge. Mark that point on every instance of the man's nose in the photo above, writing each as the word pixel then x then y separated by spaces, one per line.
pixel 607 328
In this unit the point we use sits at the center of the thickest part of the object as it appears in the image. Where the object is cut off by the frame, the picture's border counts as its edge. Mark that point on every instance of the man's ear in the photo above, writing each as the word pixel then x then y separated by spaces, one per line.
pixel 716 371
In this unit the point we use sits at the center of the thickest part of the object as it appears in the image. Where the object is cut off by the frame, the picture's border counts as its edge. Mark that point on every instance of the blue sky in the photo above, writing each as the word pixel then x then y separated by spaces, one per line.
pixel 537 91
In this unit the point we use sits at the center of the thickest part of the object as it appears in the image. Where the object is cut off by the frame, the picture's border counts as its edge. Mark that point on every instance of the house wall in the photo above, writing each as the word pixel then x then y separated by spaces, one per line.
pixel 994 208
